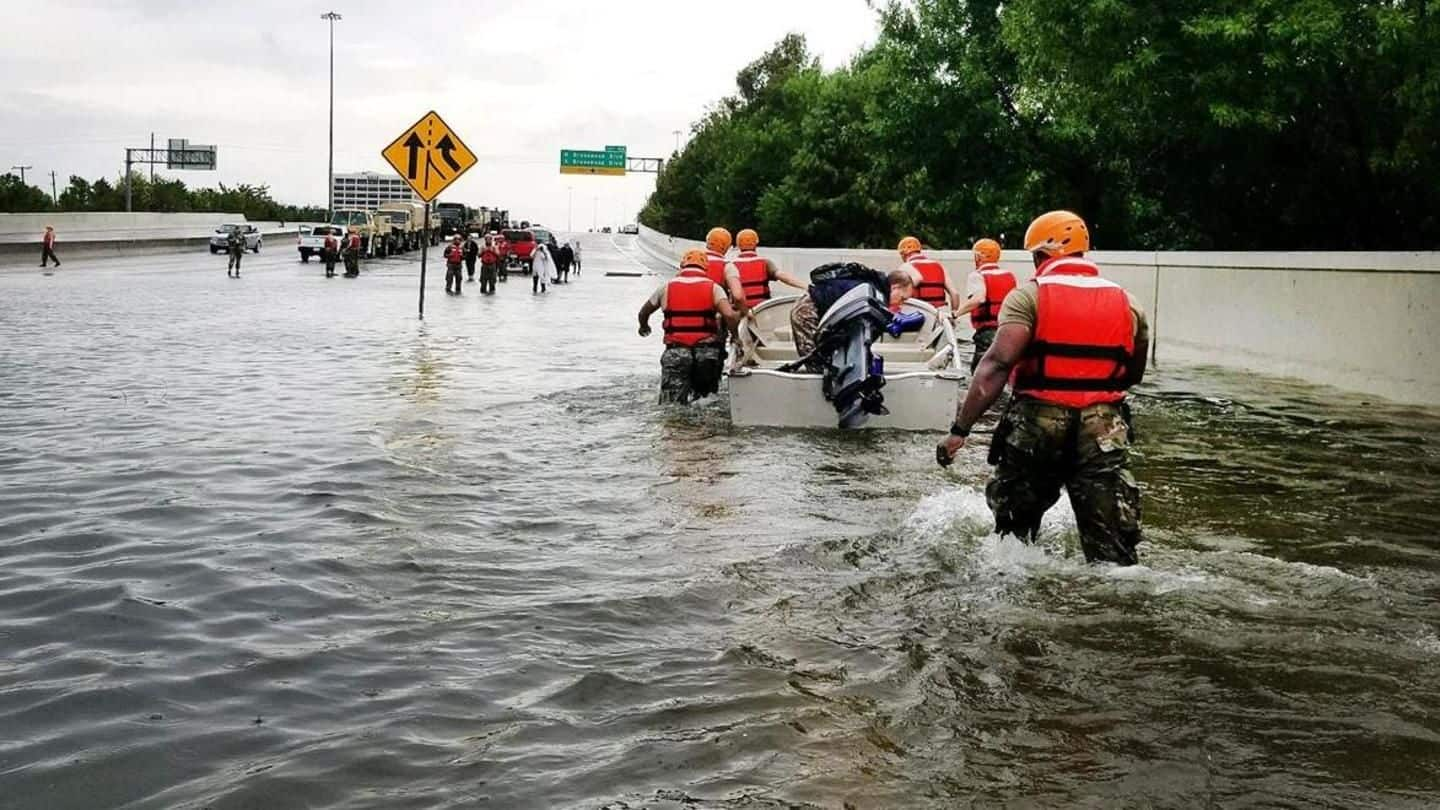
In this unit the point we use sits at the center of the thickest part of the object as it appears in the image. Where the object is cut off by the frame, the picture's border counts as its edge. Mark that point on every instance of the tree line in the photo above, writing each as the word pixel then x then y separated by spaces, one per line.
pixel 1168 124
pixel 162 195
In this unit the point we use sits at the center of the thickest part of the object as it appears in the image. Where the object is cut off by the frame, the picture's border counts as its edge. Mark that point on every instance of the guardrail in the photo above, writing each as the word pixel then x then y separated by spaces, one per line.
pixel 1361 321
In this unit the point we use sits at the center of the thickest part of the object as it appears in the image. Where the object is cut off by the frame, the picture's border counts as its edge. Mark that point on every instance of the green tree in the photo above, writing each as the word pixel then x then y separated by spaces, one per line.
pixel 17 196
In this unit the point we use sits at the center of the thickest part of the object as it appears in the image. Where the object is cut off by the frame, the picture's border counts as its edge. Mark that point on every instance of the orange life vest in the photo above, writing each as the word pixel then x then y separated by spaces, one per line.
pixel 1084 337
pixel 931 288
pixel 331 244
pixel 690 316
pixel 998 284
pixel 715 267
pixel 355 241
pixel 754 276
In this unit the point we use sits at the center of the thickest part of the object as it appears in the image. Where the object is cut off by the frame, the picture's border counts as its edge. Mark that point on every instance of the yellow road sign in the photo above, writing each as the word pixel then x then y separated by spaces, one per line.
pixel 429 155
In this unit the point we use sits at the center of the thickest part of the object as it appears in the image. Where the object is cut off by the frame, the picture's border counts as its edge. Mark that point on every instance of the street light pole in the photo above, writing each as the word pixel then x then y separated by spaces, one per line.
pixel 330 179
pixel 677 141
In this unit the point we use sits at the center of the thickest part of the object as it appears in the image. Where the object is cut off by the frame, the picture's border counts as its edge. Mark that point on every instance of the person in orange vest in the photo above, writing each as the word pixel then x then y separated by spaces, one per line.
pixel 330 252
pixel 454 256
pixel 748 274
pixel 352 253
pixel 47 247
pixel 698 315
pixel 1075 343
pixel 985 291
pixel 717 245
pixel 932 283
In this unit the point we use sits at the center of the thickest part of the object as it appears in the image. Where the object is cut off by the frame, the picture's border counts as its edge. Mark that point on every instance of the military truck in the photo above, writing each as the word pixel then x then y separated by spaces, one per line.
pixel 373 231
pixel 407 225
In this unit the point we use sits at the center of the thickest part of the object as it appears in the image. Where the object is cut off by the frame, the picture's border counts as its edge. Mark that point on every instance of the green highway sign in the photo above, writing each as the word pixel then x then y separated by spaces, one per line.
pixel 587 161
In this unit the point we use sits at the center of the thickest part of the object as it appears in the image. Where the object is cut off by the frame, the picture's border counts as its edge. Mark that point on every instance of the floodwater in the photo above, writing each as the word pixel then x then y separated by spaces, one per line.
pixel 274 543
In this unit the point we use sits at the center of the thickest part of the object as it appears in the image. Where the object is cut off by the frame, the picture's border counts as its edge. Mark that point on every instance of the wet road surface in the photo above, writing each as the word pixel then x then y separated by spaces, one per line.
pixel 275 543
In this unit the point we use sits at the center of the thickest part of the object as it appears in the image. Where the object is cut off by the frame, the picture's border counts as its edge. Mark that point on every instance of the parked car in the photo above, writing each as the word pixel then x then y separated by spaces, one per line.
pixel 605 229
pixel 312 240
pixel 220 240
pixel 521 246
pixel 545 237
pixel 631 228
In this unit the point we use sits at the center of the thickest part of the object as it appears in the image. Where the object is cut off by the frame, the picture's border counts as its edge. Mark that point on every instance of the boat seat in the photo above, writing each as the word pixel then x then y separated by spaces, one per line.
pixel 784 333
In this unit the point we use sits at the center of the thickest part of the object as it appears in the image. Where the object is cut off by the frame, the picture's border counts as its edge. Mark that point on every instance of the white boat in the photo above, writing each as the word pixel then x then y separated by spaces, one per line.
pixel 922 372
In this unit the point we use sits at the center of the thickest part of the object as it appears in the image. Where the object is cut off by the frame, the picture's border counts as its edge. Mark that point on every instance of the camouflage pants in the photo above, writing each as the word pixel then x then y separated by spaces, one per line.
pixel 983 338
pixel 689 373
pixel 805 326
pixel 1045 447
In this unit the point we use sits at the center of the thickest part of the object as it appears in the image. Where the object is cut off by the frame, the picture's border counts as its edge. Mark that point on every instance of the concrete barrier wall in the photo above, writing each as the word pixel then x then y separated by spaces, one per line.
pixel 102 225
pixel 1364 322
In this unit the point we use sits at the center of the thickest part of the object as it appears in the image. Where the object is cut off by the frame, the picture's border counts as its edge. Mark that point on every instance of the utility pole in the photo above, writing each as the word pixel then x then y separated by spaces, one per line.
pixel 54 195
pixel 595 214
pixel 152 165
pixel 570 208
pixel 22 169
pixel 677 141
pixel 330 180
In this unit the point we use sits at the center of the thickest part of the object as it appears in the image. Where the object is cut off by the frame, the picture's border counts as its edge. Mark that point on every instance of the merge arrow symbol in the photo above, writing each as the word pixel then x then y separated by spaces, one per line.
pixel 446 146
pixel 414 144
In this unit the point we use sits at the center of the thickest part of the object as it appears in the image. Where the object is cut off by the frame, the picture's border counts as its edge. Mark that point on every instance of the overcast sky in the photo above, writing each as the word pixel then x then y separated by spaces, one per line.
pixel 518 79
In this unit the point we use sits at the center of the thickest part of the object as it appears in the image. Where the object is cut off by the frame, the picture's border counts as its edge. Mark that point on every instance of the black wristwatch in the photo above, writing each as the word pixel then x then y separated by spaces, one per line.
pixel 956 430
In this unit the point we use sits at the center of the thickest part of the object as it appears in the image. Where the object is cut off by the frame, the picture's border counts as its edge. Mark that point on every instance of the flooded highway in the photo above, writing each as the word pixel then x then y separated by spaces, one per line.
pixel 273 542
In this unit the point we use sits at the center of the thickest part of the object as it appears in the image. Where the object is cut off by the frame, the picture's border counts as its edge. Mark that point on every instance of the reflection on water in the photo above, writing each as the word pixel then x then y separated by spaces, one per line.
pixel 285 546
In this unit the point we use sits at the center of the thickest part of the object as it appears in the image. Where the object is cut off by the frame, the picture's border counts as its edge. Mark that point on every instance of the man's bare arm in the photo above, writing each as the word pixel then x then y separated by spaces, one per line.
pixel 994 370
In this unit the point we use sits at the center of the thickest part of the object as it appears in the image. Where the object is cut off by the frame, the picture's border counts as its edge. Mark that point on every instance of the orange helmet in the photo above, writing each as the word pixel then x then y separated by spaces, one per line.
pixel 908 245
pixel 747 239
pixel 695 258
pixel 1057 233
pixel 987 251
pixel 718 240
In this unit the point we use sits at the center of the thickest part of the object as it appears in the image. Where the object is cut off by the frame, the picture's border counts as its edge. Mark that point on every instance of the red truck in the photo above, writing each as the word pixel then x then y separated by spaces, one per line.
pixel 521 248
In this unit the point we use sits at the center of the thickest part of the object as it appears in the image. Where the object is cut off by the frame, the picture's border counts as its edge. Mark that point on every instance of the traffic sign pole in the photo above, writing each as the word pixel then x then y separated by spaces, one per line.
pixel 424 250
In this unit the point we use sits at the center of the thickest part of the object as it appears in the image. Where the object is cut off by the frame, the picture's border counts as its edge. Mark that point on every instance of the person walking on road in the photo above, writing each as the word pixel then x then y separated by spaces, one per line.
pixel 575 250
pixel 330 252
pixel 47 247
pixel 564 255
pixel 985 291
pixel 454 255
pixel 542 268
pixel 1076 342
pixel 352 253
pixel 472 253
pixel 694 356
pixel 235 243
pixel 488 259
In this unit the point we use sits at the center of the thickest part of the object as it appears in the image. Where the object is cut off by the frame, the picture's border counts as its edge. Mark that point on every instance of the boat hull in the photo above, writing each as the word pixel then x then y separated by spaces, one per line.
pixel 768 398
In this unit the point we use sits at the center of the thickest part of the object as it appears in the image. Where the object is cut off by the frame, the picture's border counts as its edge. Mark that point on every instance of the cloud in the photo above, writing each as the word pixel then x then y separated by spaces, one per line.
pixel 519 80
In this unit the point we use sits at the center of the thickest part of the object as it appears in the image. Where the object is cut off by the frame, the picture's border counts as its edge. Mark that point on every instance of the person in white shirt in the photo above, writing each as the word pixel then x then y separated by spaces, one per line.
pixel 542 268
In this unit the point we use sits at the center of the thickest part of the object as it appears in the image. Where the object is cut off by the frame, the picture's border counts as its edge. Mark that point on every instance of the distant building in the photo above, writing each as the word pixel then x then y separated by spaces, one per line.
pixel 366 190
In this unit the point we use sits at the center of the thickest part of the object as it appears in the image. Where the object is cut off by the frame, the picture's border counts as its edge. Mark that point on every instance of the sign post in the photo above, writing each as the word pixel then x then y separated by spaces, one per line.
pixel 424 251
pixel 430 156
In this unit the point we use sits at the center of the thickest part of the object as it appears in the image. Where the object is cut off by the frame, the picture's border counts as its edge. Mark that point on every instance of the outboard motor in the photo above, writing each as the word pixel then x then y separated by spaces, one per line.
pixel 853 375
pixel 852 301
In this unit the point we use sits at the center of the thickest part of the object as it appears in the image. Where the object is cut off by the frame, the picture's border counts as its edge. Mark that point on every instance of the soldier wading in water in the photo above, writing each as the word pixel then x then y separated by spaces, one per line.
pixel 1077 342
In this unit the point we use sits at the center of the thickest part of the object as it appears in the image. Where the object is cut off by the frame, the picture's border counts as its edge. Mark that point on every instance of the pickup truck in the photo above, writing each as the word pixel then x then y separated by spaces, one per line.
pixel 220 240
pixel 371 230
pixel 312 240
pixel 521 247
